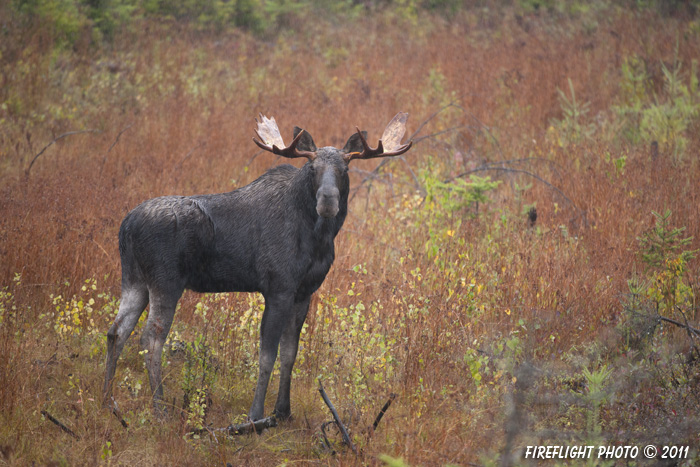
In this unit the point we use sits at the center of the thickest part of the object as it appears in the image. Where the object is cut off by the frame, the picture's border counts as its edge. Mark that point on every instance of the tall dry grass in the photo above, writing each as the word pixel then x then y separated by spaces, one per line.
pixel 171 112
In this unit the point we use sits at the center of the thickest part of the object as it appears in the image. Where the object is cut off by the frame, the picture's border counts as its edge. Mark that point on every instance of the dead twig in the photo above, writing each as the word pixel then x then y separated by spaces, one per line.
pixel 201 144
pixel 325 437
pixel 59 424
pixel 483 127
pixel 433 135
pixel 256 426
pixel 120 418
pixel 115 411
pixel 691 331
pixel 116 140
pixel 686 326
pixel 553 165
pixel 434 114
pixel 381 413
pixel 59 137
pixel 341 427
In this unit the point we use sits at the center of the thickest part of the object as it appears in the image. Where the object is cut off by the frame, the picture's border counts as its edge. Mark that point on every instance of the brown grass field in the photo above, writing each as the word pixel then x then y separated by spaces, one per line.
pixel 493 331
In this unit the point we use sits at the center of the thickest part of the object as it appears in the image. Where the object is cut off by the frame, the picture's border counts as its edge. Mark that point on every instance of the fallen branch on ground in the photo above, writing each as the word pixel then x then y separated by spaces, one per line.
pixel 392 396
pixel 118 414
pixel 252 427
pixel 112 406
pixel 341 427
pixel 241 428
pixel 59 424
pixel 325 437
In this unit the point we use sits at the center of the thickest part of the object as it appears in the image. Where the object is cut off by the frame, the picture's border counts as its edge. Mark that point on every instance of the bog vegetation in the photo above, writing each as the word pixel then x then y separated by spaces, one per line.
pixel 527 274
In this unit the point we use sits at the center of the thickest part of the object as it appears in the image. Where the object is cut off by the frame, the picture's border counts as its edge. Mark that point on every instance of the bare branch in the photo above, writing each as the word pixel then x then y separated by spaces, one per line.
pixel 686 326
pixel 392 396
pixel 189 153
pixel 432 116
pixel 116 140
pixel 59 424
pixel 256 426
pixel 432 135
pixel 325 437
pixel 486 129
pixel 26 172
pixel 252 427
pixel 341 427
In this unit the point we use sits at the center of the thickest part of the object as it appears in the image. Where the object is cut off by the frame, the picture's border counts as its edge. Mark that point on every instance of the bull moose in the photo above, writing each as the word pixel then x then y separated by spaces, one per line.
pixel 274 236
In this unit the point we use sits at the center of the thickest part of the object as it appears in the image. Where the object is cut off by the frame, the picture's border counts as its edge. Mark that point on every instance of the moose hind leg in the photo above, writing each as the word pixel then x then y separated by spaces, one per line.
pixel 289 344
pixel 160 318
pixel 133 301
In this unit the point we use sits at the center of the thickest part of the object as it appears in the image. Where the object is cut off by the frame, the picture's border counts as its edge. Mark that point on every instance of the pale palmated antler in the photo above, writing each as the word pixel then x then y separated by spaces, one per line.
pixel 389 144
pixel 271 140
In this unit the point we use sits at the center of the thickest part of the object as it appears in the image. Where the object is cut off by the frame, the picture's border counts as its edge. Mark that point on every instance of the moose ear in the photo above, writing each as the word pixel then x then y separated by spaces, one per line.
pixel 354 143
pixel 306 143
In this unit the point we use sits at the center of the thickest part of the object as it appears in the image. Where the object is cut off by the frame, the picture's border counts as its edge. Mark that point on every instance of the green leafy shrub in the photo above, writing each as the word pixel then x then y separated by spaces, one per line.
pixel 573 128
pixel 663 242
pixel 666 290
pixel 362 345
pixel 447 203
pixel 64 18
pixel 663 119
pixel 198 378
pixel 82 318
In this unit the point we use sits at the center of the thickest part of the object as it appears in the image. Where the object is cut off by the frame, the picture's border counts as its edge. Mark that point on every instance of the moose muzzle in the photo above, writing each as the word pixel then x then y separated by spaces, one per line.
pixel 327 201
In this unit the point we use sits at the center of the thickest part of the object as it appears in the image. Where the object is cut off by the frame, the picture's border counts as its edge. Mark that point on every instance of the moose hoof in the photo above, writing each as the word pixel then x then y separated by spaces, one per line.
pixel 282 415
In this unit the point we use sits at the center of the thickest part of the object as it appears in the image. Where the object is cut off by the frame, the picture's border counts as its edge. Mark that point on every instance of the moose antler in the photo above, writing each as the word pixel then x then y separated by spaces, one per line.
pixel 389 144
pixel 271 140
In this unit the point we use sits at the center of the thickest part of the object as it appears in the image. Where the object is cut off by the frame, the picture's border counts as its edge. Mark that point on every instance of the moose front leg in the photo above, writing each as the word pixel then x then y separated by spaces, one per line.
pixel 289 344
pixel 274 321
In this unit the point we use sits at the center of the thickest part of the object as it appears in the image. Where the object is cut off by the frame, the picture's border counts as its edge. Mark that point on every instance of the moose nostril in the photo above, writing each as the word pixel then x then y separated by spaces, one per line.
pixel 327 210
pixel 327 199
pixel 326 193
